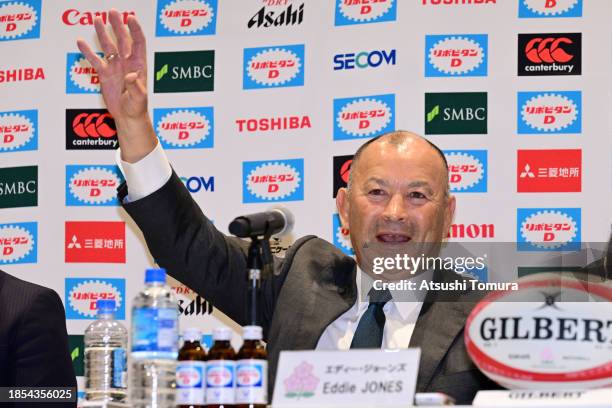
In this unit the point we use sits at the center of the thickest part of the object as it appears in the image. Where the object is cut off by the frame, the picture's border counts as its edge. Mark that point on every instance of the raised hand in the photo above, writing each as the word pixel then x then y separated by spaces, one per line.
pixel 123 80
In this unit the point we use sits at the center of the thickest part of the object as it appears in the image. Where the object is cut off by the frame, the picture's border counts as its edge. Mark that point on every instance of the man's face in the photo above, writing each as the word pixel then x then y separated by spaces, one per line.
pixel 397 203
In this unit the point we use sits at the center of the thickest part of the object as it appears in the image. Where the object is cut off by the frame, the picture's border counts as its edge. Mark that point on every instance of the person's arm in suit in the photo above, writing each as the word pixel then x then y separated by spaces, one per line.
pixel 40 354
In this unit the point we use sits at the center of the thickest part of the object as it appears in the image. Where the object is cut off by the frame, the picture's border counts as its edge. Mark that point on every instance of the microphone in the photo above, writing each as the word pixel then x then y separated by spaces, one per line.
pixel 276 221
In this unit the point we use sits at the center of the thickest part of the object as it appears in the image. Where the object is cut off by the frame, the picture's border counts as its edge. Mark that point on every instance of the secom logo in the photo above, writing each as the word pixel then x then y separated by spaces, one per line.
pixel 365 116
pixel 92 185
pixel 467 170
pixel 365 11
pixel 186 17
pixel 269 67
pixel 341 241
pixel 185 128
pixel 456 55
pixel 19 20
pixel 83 293
pixel 274 180
pixel 548 229
pixel 81 77
pixel 18 243
pixel 550 8
pixel 549 112
pixel 18 130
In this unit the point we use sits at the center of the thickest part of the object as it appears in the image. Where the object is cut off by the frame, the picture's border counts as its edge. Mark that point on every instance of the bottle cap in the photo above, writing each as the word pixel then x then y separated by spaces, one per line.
pixel 192 334
pixel 155 275
pixel 105 306
pixel 252 333
pixel 222 333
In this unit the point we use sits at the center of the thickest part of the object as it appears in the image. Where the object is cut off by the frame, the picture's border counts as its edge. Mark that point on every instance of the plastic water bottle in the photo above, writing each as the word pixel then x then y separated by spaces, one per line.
pixel 154 344
pixel 105 356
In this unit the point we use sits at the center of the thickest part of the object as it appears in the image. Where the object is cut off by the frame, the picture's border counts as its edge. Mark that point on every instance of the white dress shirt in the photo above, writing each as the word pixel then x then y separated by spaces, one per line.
pixel 153 171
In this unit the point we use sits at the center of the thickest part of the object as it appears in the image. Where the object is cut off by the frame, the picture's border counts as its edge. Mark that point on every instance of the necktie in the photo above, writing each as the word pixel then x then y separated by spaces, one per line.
pixel 369 333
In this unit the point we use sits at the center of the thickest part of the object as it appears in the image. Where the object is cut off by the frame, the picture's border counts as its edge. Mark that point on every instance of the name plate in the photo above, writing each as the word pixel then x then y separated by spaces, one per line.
pixel 551 398
pixel 355 378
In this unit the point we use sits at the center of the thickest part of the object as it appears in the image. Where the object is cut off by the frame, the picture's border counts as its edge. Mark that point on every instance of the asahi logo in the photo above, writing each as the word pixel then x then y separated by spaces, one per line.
pixel 550 112
pixel 280 180
pixel 190 303
pixel 366 116
pixel 19 187
pixel 550 8
pixel 90 129
pixel 185 128
pixel 18 243
pixel 73 17
pixel 456 113
pixel 365 11
pixel 546 229
pixel 456 55
pixel 92 185
pixel 19 20
pixel 549 54
pixel 277 66
pixel 184 71
pixel 82 295
pixel 18 130
pixel 276 13
pixel 273 123
pixel 81 77
pixel 467 170
pixel 186 17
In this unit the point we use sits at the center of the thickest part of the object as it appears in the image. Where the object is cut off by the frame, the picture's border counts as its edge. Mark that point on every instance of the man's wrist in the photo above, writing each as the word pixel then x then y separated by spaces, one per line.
pixel 136 138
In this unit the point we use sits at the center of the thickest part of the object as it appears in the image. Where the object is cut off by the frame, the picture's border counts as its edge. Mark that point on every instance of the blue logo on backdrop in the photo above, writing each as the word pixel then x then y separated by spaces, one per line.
pixel 350 12
pixel 81 295
pixel 548 229
pixel 364 59
pixel 340 240
pixel 185 128
pixel 18 130
pixel 195 184
pixel 80 75
pixel 274 66
pixel 19 20
pixel 456 55
pixel 18 243
pixel 550 8
pixel 186 17
pixel 273 180
pixel 549 112
pixel 364 116
pixel 92 185
pixel 467 170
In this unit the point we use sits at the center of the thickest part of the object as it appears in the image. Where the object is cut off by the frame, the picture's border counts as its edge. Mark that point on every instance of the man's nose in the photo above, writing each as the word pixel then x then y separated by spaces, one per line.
pixel 395 210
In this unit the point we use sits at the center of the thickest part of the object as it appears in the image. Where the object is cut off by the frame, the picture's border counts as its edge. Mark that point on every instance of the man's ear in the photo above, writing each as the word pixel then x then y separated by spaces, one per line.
pixel 343 206
pixel 449 214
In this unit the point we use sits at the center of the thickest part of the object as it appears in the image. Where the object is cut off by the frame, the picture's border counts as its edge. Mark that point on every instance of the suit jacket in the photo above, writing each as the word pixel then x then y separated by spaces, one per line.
pixel 33 338
pixel 313 285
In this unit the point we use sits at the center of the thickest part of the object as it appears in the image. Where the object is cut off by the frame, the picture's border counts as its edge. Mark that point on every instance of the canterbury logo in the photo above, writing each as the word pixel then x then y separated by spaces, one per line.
pixel 548 50
pixel 93 125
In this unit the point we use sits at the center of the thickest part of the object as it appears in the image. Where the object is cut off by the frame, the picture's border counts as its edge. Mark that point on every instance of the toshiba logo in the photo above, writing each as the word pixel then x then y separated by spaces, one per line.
pixel 72 17
pixel 273 124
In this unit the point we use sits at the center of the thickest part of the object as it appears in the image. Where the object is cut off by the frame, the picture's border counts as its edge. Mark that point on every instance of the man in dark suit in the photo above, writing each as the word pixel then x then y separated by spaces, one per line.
pixel 397 202
pixel 33 339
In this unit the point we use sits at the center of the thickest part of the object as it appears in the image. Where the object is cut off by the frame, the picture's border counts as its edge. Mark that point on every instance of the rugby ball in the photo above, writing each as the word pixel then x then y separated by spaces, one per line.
pixel 553 332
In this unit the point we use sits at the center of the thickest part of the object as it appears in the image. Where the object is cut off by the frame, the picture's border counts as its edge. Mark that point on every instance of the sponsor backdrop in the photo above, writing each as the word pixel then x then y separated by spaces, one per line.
pixel 264 102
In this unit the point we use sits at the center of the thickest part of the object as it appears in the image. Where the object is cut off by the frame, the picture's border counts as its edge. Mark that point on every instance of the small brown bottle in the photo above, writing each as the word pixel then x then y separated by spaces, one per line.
pixel 191 371
pixel 221 371
pixel 252 370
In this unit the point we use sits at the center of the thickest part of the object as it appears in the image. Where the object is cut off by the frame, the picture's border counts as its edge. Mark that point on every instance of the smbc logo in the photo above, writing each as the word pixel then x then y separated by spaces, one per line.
pixel 456 113
pixel 184 71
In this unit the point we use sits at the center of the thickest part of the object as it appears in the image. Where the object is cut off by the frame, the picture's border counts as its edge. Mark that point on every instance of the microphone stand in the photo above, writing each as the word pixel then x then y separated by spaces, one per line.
pixel 259 267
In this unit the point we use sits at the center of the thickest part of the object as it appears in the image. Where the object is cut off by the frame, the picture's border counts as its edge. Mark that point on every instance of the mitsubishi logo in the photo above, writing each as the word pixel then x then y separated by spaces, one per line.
pixel 74 243
pixel 527 172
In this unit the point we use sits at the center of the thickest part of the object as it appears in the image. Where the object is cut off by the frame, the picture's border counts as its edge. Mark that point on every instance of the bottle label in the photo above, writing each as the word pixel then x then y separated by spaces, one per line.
pixel 155 330
pixel 190 382
pixel 251 381
pixel 220 382
pixel 119 368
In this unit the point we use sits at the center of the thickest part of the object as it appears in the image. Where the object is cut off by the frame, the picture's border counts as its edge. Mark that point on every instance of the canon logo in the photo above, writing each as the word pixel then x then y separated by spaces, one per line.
pixel 74 17
pixel 472 231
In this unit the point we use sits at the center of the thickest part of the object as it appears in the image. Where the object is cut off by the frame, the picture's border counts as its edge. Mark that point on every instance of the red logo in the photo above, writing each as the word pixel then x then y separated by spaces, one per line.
pixel 74 17
pixel 21 74
pixel 549 50
pixel 549 171
pixel 472 231
pixel 94 125
pixel 95 241
pixel 270 124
